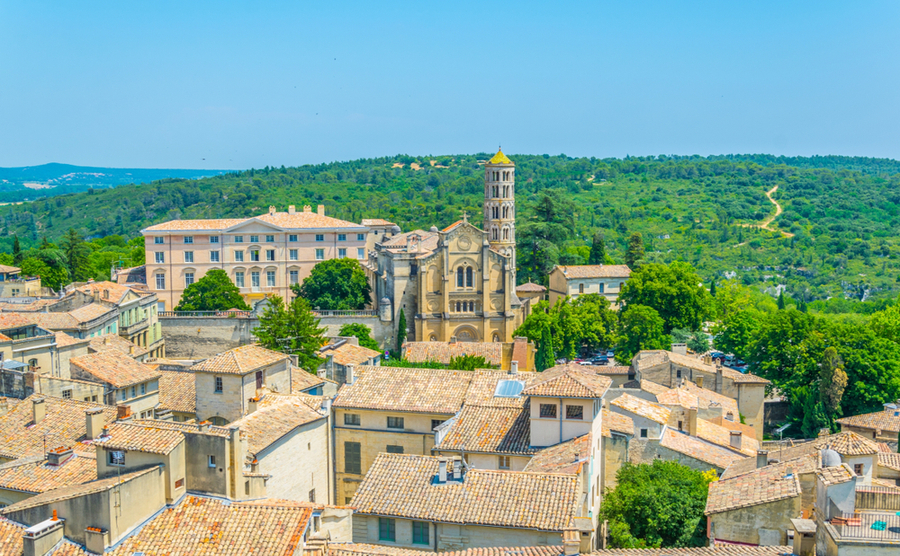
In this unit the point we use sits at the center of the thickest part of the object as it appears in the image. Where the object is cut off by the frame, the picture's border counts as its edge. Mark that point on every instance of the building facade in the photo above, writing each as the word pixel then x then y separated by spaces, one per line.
pixel 573 281
pixel 263 255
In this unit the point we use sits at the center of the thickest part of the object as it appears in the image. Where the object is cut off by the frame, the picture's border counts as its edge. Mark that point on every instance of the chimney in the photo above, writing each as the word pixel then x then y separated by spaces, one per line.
pixel 320 210
pixel 40 539
pixel 307 208
pixel 96 539
pixel 442 471
pixel 699 379
pixel 123 412
pixel 252 404
pixel 762 458
pixel 4 405
pixel 106 340
pixel 94 421
pixel 457 468
pixel 571 542
pixel 452 340
pixel 203 426
pixel 131 350
pixel 735 439
pixel 272 210
pixel 292 209
pixel 823 432
pixel 350 375
pixel 789 471
pixel 59 456
pixel 692 421
pixel 39 410
pixel 513 367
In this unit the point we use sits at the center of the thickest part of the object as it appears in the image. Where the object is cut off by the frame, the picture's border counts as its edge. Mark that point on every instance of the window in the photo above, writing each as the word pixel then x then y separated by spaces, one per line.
pixel 214 239
pixel 548 411
pixel 213 256
pixel 188 278
pixel 320 254
pixel 360 237
pixel 420 532
pixel 239 239
pixel 158 240
pixel 295 277
pixel 580 288
pixel 395 422
pixel 270 278
pixel 351 419
pixel 254 255
pixel 211 461
pixel 361 253
pixel 292 237
pixel 270 254
pixel 67 394
pixel 678 373
pixel 342 237
pixel 601 288
pixel 219 387
pixel 320 237
pixel 143 388
pixel 160 257
pixel 386 529
pixel 435 423
pixel 189 239
pixel 179 483
pixel 259 379
pixel 643 433
pixel 394 449
pixel 312 495
pixel 858 469
pixel 459 277
pixel 504 462
pixel 239 279
pixel 238 256
pixel 293 254
pixel 469 277
pixel 351 458
pixel 270 239
pixel 342 253
pixel 247 488
pixel 254 279
pixel 254 239
pixel 133 392
pixel 575 412
pixel 116 457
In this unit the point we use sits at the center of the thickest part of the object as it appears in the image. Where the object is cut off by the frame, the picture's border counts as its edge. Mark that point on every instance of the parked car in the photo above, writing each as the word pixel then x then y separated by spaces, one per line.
pixel 600 360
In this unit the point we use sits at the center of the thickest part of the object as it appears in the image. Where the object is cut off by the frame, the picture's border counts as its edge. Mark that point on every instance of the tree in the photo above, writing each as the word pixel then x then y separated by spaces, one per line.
pixel 886 323
pixel 401 331
pixel 362 332
pixel 214 292
pixel 736 333
pixel 567 331
pixel 598 250
pixel 781 300
pixel 698 342
pixel 635 253
pixel 294 330
pixel 658 505
pixel 712 289
pixel 336 284
pixel 545 358
pixel 468 363
pixel 832 382
pixel 814 418
pixel 641 327
pixel 76 253
pixel 597 322
pixel 17 249
pixel 674 291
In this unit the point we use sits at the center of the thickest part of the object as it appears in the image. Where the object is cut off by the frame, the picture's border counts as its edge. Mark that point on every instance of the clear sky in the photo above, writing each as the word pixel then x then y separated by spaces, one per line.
pixel 230 85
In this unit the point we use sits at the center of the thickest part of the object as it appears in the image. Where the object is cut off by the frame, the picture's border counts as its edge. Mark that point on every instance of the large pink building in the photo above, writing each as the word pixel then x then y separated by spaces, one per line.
pixel 263 255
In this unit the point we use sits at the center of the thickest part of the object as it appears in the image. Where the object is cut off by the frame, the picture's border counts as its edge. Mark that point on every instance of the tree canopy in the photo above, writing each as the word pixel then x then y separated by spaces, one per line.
pixel 294 330
pixel 362 332
pixel 673 290
pixel 213 292
pixel 336 284
pixel 641 328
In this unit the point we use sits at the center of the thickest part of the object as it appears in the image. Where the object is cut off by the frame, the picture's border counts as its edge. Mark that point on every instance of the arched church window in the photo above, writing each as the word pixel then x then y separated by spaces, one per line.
pixel 494 234
pixel 469 277
pixel 459 277
pixel 505 234
pixel 457 306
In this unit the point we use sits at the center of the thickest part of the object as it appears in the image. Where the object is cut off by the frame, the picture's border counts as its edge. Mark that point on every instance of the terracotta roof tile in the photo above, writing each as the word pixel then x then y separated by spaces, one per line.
pixel 63 425
pixel 596 271
pixel 74 491
pixel 884 420
pixel 403 486
pixel 116 342
pixel 356 549
pixel 642 408
pixel 616 422
pixel 194 225
pixel 110 291
pixel 199 525
pixel 400 389
pixel 566 458
pixel 850 444
pixel 889 460
pixel 762 486
pixel 610 370
pixel 348 354
pixel 186 428
pixel 652 358
pixel 303 380
pixel 305 220
pixel 36 474
pixel 484 387
pixel 142 437
pixel 377 222
pixel 427 245
pixel 721 436
pixel 494 430
pixel 721 550
pixel 177 391
pixel 64 340
pixel 442 352
pixel 11 544
pixel 689 394
pixel 835 475
pixel 274 420
pixel 530 287
pixel 569 381
pixel 653 388
pixel 240 360
pixel 89 312
pixel 115 368
pixel 698 449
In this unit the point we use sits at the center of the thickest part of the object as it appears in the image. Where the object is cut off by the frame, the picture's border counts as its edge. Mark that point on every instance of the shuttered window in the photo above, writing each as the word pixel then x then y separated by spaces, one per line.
pixel 352 458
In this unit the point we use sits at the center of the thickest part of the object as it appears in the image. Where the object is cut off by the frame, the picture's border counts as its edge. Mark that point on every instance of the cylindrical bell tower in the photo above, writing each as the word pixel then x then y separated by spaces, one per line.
pixel 500 205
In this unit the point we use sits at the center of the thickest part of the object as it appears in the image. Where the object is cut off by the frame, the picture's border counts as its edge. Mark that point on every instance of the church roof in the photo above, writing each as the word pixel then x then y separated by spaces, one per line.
pixel 500 158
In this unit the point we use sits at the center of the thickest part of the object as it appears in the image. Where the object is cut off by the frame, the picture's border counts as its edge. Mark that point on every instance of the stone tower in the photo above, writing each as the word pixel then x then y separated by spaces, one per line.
pixel 500 205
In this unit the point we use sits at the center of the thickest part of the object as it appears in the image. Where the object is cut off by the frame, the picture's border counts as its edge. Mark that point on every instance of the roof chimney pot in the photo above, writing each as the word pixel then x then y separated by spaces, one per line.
pixel 320 210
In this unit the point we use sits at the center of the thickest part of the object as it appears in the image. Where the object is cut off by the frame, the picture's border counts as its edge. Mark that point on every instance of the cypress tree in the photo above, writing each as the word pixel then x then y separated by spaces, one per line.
pixel 635 253
pixel 17 249
pixel 781 300
pixel 712 288
pixel 401 333
pixel 544 359
pixel 598 250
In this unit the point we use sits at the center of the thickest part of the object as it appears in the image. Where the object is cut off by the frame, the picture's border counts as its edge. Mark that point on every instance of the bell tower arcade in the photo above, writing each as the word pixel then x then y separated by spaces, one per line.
pixel 500 206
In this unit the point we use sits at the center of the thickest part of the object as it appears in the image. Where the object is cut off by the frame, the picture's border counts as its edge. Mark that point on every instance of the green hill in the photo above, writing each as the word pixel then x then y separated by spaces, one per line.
pixel 838 234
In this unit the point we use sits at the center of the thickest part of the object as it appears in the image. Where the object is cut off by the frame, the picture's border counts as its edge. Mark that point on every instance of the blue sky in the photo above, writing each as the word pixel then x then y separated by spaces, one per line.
pixel 248 84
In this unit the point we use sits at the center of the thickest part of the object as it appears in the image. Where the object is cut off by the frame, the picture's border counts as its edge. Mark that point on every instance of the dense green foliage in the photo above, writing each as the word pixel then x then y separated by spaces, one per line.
pixel 401 331
pixel 362 332
pixel 544 359
pixel 214 292
pixel 336 284
pixel 657 506
pixel 844 211
pixel 294 330
pixel 673 290
pixel 640 327
pixel 576 327
pixel 469 363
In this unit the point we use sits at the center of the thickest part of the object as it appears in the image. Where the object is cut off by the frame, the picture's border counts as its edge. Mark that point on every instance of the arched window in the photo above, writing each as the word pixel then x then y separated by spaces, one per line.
pixel 580 288
pixel 459 277
pixel 496 338
pixel 494 233
pixel 469 277
pixel 457 306
pixel 505 234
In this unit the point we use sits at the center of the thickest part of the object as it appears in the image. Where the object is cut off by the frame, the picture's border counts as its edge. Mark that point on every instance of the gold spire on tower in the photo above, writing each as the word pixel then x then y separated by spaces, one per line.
pixel 500 158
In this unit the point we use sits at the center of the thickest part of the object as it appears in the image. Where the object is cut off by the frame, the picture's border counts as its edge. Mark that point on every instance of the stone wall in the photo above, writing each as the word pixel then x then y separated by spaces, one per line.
pixel 204 337
pixel 761 524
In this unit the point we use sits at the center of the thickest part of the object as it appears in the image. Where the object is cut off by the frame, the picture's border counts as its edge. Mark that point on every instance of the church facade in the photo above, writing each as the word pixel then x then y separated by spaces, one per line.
pixel 459 282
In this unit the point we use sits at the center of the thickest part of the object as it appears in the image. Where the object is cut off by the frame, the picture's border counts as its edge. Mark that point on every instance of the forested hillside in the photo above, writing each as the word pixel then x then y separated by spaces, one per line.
pixel 838 235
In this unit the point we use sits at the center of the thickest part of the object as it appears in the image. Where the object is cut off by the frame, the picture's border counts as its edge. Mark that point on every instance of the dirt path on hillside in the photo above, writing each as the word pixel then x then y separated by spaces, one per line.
pixel 766 224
